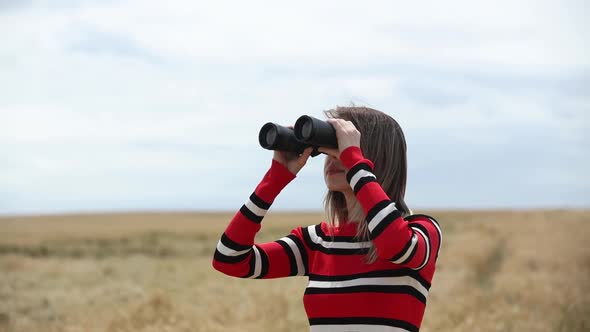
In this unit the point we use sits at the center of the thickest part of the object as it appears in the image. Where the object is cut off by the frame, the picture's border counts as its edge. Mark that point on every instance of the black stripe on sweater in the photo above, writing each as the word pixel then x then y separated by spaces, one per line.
pixel 357 168
pixel 264 264
pixel 362 182
pixel 391 217
pixel 363 321
pixel 427 239
pixel 390 289
pixel 302 251
pixel 437 227
pixel 232 244
pixel 290 255
pixel 373 274
pixel 412 254
pixel 259 202
pixel 416 216
pixel 250 215
pixel 404 249
pixel 376 208
pixel 230 259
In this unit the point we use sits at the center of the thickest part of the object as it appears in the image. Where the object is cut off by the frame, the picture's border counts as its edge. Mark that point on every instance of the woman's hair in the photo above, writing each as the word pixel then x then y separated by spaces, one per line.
pixel 382 142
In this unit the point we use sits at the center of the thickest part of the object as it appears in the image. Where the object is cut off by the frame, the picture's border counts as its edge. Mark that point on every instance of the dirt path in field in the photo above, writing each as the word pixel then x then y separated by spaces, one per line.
pixel 497 271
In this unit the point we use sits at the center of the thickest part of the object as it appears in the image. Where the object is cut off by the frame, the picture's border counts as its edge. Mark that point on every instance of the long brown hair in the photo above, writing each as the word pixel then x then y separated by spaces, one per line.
pixel 382 142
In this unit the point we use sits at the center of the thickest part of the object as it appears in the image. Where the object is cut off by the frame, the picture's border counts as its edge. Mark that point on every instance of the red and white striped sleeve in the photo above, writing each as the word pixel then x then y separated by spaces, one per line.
pixel 236 253
pixel 413 243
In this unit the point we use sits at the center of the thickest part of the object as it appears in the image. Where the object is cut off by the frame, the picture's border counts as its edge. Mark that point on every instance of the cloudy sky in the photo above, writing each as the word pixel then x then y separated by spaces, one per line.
pixel 152 105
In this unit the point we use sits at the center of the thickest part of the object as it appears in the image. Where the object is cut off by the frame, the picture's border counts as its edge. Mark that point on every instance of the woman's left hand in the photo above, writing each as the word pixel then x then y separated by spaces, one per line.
pixel 347 136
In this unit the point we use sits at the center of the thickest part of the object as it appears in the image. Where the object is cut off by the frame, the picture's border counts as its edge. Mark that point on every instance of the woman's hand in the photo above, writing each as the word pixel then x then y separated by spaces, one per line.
pixel 293 161
pixel 347 136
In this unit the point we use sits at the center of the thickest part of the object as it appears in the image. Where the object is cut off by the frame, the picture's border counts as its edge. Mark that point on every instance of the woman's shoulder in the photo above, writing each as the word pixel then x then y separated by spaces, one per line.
pixel 420 216
pixel 426 223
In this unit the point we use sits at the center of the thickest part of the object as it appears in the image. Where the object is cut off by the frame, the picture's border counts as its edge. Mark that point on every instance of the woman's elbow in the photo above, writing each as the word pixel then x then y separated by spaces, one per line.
pixel 220 267
pixel 227 269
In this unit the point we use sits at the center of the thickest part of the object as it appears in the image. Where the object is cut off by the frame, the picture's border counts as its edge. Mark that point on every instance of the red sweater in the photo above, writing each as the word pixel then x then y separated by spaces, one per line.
pixel 344 292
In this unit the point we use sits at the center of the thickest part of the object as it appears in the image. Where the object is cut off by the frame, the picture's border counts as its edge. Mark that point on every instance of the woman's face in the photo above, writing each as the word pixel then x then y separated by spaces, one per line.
pixel 335 175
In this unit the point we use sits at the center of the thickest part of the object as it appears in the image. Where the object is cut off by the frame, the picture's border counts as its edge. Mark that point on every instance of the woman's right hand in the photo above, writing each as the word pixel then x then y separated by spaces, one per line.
pixel 292 161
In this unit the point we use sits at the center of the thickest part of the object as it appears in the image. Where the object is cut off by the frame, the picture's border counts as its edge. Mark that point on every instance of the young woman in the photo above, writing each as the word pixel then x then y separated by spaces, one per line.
pixel 370 266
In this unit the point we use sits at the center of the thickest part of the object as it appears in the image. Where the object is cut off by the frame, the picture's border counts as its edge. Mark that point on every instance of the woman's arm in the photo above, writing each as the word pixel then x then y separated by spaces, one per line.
pixel 237 255
pixel 413 243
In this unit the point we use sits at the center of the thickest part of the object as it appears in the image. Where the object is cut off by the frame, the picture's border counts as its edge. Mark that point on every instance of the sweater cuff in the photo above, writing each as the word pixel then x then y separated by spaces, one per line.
pixel 275 179
pixel 353 155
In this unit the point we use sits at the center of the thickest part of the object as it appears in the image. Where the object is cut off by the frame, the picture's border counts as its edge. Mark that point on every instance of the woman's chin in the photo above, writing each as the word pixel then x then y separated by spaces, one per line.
pixel 337 186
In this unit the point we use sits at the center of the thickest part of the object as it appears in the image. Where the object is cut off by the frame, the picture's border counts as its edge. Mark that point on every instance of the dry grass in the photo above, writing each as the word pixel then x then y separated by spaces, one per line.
pixel 498 271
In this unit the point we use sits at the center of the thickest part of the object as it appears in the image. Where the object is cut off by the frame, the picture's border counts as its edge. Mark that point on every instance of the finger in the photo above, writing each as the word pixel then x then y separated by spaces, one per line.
pixel 341 125
pixel 335 122
pixel 305 155
pixel 348 125
pixel 307 152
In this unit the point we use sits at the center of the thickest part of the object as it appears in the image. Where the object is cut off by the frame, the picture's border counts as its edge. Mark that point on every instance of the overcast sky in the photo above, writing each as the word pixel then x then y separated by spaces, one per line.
pixel 156 105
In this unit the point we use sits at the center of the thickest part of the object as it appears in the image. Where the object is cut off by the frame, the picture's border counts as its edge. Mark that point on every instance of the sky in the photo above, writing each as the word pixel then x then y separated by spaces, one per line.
pixel 149 105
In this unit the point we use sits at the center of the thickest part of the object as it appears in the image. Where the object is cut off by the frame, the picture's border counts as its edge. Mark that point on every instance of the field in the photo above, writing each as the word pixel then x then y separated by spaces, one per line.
pixel 497 271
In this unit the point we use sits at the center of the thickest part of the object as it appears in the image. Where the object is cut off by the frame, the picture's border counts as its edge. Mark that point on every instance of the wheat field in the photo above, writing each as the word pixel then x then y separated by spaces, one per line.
pixel 497 271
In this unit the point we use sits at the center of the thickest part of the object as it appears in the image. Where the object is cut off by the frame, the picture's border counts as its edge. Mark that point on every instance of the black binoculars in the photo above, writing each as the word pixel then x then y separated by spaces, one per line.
pixel 308 132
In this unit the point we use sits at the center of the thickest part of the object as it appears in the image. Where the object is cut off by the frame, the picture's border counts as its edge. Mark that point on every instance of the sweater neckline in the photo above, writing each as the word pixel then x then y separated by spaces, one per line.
pixel 347 228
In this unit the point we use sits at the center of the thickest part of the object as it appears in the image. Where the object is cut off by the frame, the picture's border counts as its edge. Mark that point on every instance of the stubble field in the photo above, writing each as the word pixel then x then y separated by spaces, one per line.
pixel 497 271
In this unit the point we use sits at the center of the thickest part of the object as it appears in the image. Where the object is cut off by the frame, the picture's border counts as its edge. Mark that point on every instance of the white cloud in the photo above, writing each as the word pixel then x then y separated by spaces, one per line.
pixel 102 93
pixel 530 33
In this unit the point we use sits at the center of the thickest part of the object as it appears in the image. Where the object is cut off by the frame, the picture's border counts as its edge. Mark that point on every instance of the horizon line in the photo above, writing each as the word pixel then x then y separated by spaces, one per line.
pixel 282 211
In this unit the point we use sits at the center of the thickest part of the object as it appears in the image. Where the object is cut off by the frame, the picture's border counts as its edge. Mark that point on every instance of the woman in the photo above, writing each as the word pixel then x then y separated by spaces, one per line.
pixel 370 266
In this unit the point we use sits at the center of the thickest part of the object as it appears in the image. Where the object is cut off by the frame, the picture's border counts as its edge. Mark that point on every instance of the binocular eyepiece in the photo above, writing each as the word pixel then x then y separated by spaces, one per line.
pixel 308 132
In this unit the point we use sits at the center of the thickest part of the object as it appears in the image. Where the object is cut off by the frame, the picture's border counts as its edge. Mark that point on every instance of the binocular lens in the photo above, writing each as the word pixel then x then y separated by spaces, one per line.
pixel 271 136
pixel 307 130
pixel 268 136
pixel 275 137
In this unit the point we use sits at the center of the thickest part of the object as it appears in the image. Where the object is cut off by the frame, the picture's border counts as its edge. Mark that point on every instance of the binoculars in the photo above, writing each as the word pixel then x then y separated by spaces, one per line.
pixel 308 132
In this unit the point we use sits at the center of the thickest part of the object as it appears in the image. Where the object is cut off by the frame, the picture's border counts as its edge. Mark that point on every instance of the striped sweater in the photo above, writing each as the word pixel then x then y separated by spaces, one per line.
pixel 344 292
